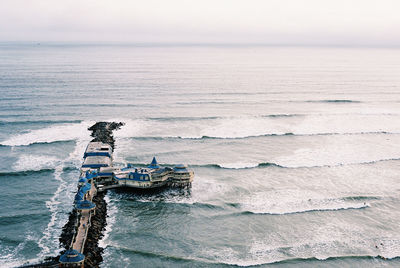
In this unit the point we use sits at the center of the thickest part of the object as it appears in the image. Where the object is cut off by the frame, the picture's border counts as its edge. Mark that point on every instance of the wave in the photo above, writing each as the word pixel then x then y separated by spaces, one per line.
pixel 201 128
pixel 283 115
pixel 160 138
pixel 344 207
pixel 41 143
pixel 53 133
pixel 191 118
pixel 266 164
pixel 278 115
pixel 18 218
pixel 335 101
pixel 218 166
pixel 39 122
pixel 112 210
pixel 188 260
pixel 321 249
pixel 32 172
pixel 184 118
pixel 261 135
pixel 259 204
pixel 296 260
pixel 228 259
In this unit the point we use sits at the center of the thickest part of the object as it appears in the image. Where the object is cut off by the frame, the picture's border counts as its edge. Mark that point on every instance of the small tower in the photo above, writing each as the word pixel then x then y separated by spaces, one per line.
pixel 153 164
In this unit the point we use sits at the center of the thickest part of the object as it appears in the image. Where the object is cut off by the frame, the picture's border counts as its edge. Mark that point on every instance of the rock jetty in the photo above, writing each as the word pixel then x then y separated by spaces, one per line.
pixel 101 132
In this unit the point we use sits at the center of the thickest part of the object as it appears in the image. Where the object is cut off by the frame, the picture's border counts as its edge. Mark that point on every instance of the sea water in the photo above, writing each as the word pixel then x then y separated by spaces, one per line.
pixel 296 152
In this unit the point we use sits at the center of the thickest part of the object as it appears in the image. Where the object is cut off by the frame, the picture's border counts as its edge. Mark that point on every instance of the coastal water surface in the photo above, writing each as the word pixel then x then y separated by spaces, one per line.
pixel 296 152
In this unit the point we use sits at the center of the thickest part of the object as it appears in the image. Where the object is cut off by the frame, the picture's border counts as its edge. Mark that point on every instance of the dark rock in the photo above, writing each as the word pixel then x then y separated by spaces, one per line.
pixel 92 250
pixel 102 131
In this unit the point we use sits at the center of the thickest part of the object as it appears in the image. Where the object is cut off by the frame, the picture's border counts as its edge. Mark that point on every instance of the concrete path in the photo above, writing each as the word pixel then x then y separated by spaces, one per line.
pixel 83 225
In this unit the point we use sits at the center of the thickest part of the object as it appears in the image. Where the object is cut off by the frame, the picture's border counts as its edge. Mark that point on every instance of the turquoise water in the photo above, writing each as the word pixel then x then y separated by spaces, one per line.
pixel 295 150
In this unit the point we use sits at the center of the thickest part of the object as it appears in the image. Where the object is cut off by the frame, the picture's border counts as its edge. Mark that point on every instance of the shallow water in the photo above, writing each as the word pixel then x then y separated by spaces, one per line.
pixel 295 151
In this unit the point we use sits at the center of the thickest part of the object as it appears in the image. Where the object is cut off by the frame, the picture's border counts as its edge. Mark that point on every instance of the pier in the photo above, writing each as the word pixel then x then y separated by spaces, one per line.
pixel 83 230
pixel 87 220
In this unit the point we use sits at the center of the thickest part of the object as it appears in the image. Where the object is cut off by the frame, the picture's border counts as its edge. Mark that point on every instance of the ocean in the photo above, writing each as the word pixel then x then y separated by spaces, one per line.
pixel 296 152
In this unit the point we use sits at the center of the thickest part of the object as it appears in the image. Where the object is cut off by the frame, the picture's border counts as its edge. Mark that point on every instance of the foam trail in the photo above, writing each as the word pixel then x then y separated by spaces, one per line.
pixel 112 210
pixel 60 203
pixel 50 235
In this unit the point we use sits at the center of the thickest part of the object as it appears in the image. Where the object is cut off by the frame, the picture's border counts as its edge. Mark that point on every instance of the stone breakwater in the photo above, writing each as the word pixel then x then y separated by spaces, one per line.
pixel 101 131
pixel 92 250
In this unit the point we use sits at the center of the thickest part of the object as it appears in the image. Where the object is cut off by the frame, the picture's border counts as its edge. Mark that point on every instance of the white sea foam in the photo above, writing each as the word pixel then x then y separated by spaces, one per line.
pixel 250 126
pixel 238 165
pixel 388 248
pixel 49 241
pixel 12 257
pixel 230 127
pixel 60 203
pixel 53 133
pixel 112 210
pixel 323 246
pixel 295 202
pixel 333 153
pixel 36 162
pixel 132 128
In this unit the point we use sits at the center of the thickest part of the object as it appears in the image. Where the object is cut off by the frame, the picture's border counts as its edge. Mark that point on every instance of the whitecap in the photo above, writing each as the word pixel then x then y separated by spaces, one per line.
pixel 53 133
pixel 35 162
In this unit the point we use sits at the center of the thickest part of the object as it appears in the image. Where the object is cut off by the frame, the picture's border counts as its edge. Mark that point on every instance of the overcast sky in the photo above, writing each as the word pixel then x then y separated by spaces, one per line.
pixel 314 22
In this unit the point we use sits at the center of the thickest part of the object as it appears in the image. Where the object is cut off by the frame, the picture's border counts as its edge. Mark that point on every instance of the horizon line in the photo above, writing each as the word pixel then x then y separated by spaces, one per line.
pixel 192 44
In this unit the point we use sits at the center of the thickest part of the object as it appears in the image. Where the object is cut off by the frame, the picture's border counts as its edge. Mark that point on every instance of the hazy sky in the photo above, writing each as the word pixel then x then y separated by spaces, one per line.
pixel 321 22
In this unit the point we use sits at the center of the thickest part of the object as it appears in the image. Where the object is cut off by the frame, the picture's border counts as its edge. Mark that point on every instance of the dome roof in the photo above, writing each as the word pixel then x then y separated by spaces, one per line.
pixel 180 168
pixel 85 204
pixel 85 188
pixel 78 196
pixel 72 256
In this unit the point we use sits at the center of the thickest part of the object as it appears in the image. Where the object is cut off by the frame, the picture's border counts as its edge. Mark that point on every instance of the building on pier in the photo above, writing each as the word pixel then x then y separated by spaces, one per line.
pixel 97 174
pixel 85 205
pixel 72 258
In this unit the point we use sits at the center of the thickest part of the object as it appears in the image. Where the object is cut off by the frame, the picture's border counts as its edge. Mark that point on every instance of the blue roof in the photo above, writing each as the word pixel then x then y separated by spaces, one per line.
pixel 82 179
pixel 153 164
pixel 90 175
pixel 85 188
pixel 78 196
pixel 86 204
pixel 72 256
pixel 128 166
pixel 180 168
pixel 95 165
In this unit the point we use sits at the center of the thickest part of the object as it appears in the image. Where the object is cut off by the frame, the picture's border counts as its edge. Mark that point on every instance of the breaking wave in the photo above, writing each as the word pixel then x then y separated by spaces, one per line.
pixel 327 208
pixel 217 127
pixel 32 172
pixel 295 202
pixel 335 101
pixel 38 122
pixel 265 165
pixel 53 133
pixel 318 260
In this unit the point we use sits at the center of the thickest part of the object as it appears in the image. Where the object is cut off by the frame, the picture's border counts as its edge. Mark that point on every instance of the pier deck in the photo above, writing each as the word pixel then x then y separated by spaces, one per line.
pixel 84 225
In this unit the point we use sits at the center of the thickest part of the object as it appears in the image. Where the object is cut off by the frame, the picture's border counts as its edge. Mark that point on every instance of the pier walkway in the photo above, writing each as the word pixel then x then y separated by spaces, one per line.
pixel 84 224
